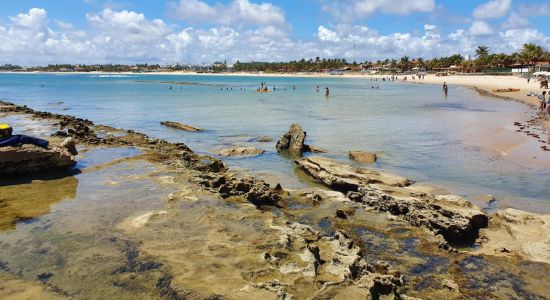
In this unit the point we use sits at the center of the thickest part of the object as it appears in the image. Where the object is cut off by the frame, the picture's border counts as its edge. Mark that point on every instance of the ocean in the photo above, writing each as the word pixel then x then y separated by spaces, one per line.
pixel 417 131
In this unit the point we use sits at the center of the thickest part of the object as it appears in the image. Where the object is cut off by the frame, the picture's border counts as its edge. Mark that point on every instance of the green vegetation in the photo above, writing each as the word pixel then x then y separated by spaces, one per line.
pixel 484 61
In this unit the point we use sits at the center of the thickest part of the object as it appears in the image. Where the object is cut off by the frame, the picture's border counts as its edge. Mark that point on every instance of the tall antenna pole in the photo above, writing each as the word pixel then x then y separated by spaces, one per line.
pixel 354 53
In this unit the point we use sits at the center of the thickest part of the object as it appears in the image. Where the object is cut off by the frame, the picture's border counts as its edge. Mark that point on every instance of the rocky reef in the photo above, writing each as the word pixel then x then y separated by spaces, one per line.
pixel 456 219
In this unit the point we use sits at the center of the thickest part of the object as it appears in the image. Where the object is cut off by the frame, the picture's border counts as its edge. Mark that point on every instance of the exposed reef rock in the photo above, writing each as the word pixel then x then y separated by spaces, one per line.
pixel 180 126
pixel 343 177
pixel 293 140
pixel 29 159
pixel 254 190
pixel 517 233
pixel 332 259
pixel 362 156
pixel 455 218
pixel 241 151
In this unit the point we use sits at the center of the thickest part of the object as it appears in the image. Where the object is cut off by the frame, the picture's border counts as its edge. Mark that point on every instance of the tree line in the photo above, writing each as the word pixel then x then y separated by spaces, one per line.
pixel 484 61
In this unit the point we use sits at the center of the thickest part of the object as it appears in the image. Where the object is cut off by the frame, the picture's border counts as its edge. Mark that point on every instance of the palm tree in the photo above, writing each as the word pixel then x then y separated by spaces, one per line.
pixel 532 53
pixel 404 63
pixel 482 51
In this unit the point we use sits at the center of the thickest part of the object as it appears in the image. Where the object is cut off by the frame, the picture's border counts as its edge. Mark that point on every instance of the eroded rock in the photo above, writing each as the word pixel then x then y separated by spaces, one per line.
pixel 343 177
pixel 241 151
pixel 455 218
pixel 361 156
pixel 28 159
pixel 293 140
pixel 180 126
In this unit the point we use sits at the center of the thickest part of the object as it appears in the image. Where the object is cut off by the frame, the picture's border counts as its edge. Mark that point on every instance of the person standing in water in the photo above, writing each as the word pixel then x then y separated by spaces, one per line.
pixel 445 88
pixel 327 92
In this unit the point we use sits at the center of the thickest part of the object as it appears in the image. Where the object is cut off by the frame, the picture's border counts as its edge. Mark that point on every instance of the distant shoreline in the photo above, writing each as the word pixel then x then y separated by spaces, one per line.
pixel 485 83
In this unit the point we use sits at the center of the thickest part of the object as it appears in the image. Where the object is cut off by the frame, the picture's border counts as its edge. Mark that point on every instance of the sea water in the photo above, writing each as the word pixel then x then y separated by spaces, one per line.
pixel 419 132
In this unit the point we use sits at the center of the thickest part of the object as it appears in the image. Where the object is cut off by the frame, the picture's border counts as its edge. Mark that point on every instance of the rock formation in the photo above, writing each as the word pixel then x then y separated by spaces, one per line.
pixel 455 218
pixel 28 159
pixel 180 126
pixel 362 156
pixel 293 140
pixel 241 151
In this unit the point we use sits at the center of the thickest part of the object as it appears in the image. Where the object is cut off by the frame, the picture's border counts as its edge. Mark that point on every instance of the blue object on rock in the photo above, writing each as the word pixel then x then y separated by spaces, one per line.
pixel 20 139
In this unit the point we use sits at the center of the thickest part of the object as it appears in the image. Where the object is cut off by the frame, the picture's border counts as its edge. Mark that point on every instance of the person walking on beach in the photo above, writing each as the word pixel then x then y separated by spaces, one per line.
pixel 542 99
pixel 327 92
pixel 445 88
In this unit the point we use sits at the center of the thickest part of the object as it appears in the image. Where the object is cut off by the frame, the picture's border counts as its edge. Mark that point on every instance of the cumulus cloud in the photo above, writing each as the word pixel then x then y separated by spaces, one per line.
pixel 480 28
pixel 493 9
pixel 236 12
pixel 515 21
pixel 327 35
pixel 363 8
pixel 124 36
pixel 534 9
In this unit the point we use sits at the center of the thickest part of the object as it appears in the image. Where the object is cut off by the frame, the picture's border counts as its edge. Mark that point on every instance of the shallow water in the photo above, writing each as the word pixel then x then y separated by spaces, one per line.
pixel 420 133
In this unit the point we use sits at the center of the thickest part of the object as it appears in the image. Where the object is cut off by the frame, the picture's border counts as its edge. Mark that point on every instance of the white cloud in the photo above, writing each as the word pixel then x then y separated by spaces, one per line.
pixel 534 9
pixel 363 8
pixel 492 9
pixel 130 37
pixel 236 12
pixel 515 21
pixel 64 25
pixel 327 35
pixel 480 28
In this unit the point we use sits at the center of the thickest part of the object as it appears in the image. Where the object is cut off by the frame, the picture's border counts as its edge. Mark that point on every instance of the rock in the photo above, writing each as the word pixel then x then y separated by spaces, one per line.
pixel 241 151
pixel 264 139
pixel 361 156
pixel 313 149
pixel 203 163
pixel 254 190
pixel 70 145
pixel 28 159
pixel 455 218
pixel 345 178
pixel 519 234
pixel 180 126
pixel 451 285
pixel 456 222
pixel 293 140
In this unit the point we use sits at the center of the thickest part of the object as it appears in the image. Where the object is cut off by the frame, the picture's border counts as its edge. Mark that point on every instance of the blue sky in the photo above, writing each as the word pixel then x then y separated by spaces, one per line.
pixel 195 31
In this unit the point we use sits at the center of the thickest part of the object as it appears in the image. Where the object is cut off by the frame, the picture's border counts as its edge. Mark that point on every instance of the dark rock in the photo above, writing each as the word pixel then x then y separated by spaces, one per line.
pixel 293 140
pixel 254 190
pixel 341 214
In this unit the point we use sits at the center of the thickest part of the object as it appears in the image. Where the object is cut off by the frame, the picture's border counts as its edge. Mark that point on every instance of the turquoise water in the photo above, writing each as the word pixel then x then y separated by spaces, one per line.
pixel 418 131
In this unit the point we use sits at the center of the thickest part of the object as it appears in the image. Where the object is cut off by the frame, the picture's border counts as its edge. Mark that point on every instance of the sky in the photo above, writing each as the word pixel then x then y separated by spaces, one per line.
pixel 39 32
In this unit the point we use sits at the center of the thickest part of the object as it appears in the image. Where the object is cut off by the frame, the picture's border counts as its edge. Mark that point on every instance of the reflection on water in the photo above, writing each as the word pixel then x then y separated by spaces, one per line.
pixel 23 202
